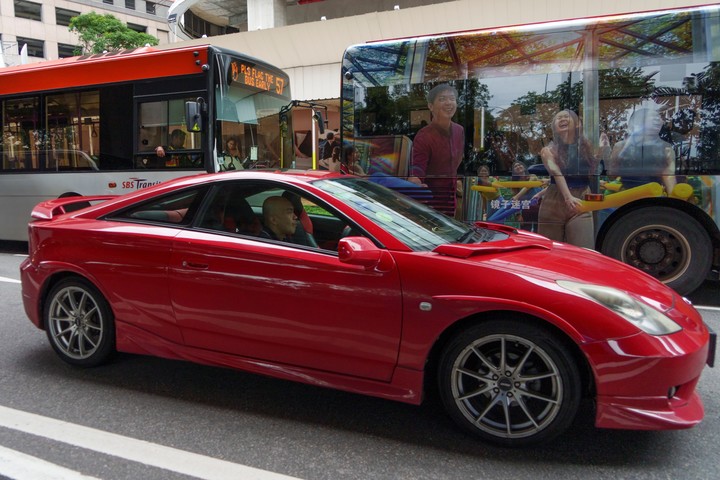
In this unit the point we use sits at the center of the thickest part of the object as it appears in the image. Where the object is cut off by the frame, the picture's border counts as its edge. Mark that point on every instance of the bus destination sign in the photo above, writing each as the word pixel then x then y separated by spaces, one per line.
pixel 257 77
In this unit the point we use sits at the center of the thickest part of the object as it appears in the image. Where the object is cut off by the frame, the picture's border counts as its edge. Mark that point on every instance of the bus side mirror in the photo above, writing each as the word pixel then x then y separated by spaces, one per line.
pixel 194 115
pixel 319 119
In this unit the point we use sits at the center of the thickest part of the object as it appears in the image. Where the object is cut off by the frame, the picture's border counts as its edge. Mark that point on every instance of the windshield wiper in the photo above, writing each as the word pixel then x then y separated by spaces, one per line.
pixel 481 235
pixel 466 236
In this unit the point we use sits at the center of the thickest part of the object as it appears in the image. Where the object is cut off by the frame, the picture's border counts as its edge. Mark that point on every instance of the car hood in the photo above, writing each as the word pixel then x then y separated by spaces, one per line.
pixel 538 259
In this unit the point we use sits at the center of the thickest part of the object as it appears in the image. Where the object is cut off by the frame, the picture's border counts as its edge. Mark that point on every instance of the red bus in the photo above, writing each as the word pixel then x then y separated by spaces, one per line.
pixel 92 125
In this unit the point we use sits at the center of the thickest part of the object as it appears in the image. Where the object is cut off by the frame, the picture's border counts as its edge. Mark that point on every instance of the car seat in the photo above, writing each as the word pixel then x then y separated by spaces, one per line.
pixel 240 218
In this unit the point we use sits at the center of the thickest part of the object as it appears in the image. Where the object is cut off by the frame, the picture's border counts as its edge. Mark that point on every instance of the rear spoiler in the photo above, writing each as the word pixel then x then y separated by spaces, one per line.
pixel 58 206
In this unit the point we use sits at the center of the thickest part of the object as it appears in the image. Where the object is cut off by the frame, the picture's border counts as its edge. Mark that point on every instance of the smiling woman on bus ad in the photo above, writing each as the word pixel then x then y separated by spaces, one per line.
pixel 438 149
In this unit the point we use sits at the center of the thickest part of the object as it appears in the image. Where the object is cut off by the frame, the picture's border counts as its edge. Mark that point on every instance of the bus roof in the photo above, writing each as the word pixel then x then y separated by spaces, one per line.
pixel 97 69
pixel 623 37
pixel 543 24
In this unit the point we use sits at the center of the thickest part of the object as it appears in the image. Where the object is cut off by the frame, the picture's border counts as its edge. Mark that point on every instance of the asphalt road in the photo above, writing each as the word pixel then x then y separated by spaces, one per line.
pixel 225 421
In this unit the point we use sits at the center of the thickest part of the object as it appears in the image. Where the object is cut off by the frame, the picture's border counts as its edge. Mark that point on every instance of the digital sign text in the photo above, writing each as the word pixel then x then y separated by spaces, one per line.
pixel 257 77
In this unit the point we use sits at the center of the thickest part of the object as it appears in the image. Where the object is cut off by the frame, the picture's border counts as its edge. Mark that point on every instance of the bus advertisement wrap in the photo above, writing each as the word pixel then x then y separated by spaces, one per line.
pixel 601 132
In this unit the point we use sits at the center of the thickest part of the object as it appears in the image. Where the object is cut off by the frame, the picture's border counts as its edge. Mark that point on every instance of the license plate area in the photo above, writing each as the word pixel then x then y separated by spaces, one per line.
pixel 712 346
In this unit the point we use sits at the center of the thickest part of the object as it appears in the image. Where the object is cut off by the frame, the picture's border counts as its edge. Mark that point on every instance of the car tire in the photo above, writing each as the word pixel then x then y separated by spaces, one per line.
pixel 665 243
pixel 509 382
pixel 79 323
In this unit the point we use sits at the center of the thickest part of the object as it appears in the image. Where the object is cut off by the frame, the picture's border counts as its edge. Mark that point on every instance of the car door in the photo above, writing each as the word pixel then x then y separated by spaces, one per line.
pixel 128 255
pixel 284 303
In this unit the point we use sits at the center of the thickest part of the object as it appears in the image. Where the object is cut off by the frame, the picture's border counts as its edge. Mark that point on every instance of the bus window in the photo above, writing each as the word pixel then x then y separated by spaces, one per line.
pixel 73 128
pixel 152 121
pixel 22 136
pixel 162 124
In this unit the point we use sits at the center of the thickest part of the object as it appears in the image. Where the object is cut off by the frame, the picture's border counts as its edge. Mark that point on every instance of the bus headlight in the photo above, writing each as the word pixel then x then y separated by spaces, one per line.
pixel 637 312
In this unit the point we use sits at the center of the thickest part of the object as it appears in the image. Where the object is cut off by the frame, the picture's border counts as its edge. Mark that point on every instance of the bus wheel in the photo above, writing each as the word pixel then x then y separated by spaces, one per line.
pixel 663 242
pixel 73 206
pixel 509 382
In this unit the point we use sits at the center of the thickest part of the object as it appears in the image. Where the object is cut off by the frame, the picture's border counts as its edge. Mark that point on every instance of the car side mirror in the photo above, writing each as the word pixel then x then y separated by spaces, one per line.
pixel 363 252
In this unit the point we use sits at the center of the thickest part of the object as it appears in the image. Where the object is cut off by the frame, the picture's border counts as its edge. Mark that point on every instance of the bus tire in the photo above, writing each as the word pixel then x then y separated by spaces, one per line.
pixel 73 206
pixel 663 242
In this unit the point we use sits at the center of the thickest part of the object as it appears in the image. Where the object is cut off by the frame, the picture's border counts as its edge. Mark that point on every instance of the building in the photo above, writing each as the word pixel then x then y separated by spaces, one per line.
pixel 195 18
pixel 42 26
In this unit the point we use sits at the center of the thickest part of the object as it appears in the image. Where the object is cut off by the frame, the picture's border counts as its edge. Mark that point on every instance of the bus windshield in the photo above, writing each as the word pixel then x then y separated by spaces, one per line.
pixel 251 101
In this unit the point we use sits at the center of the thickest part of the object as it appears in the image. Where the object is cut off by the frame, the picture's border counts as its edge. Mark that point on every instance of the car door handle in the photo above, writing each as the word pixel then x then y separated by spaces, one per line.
pixel 195 265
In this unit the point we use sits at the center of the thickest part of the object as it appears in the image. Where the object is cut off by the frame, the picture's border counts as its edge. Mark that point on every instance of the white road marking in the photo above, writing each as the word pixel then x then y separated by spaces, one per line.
pixel 17 465
pixel 708 308
pixel 9 280
pixel 167 458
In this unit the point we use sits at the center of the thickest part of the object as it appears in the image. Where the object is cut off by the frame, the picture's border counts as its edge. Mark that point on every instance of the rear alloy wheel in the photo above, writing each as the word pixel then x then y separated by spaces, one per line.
pixel 510 383
pixel 79 323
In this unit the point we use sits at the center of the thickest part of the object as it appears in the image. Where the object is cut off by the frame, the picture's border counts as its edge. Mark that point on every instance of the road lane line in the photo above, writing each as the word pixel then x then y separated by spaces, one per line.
pixel 167 458
pixel 708 308
pixel 17 465
pixel 9 280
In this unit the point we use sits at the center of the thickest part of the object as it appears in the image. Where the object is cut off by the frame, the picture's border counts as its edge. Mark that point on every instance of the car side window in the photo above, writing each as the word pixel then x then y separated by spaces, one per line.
pixel 177 209
pixel 325 228
pixel 272 213
pixel 229 211
pixel 316 225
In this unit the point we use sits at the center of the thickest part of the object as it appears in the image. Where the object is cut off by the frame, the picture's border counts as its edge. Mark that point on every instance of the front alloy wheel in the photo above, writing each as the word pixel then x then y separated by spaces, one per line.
pixel 510 383
pixel 79 323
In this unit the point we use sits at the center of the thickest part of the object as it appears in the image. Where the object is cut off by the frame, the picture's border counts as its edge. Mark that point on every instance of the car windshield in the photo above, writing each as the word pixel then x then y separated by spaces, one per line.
pixel 418 226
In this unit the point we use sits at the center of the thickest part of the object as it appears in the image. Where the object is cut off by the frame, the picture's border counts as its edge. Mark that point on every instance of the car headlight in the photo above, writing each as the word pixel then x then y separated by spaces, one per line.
pixel 640 314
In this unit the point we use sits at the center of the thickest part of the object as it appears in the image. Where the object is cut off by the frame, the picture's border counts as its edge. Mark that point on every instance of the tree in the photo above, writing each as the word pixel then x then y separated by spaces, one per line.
pixel 99 33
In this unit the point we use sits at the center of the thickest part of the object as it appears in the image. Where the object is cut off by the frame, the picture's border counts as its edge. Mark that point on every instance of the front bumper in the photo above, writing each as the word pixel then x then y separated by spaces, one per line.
pixel 649 413
pixel 649 383
pixel 712 347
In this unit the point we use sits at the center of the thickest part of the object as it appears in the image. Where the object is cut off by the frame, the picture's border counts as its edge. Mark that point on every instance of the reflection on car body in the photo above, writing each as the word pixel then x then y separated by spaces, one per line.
pixel 388 294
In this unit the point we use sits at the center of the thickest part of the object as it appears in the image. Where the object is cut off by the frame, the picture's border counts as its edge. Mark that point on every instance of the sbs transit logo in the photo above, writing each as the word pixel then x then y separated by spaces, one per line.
pixel 134 183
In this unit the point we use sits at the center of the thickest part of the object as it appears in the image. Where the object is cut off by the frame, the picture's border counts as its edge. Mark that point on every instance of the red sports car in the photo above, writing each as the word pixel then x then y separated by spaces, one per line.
pixel 339 282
